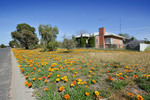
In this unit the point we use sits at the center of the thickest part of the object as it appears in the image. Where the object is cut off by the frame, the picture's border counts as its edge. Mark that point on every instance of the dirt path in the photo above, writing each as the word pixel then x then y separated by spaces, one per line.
pixel 18 90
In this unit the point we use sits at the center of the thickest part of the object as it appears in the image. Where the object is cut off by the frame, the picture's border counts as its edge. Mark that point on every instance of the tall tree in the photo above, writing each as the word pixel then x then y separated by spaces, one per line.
pixel 91 41
pixel 25 35
pixel 13 44
pixel 48 35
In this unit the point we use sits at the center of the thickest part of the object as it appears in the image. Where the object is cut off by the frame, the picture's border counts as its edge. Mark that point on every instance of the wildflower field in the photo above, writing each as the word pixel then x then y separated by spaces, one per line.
pixel 86 74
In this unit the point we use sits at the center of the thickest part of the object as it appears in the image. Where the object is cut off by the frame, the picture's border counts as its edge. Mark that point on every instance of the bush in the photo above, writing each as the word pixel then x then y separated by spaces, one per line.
pixel 91 41
pixel 52 45
pixel 68 44
pixel 133 45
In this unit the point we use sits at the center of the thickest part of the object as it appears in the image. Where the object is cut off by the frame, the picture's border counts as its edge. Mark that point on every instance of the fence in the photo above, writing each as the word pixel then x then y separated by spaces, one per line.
pixel 143 46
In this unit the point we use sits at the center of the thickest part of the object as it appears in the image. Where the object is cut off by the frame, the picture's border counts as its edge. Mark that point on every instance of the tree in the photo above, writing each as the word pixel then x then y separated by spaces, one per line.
pixel 48 36
pixel 68 43
pixel 127 36
pixel 2 46
pixel 91 41
pixel 25 35
pixel 82 41
pixel 13 43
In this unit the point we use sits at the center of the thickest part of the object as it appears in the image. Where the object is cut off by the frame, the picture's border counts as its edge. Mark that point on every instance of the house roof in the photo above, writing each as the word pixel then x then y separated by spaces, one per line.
pixel 84 35
pixel 97 34
pixel 107 34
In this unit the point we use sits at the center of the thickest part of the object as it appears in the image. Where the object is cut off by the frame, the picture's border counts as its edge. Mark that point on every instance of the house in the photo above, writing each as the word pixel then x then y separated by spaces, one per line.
pixel 103 39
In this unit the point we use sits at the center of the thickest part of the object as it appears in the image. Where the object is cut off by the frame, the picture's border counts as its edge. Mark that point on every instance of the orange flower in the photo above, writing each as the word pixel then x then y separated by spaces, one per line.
pixel 89 76
pixel 33 79
pixel 87 86
pixel 140 97
pixel 29 85
pixel 46 81
pixel 74 82
pixel 26 83
pixel 92 68
pixel 74 75
pixel 82 61
pixel 135 76
pixel 39 78
pixel 130 94
pixel 93 81
pixel 131 71
pixel 107 71
pixel 67 96
pixel 61 88
pixel 71 69
pixel 46 89
pixel 87 93
pixel 49 76
pixel 33 68
pixel 80 67
pixel 127 70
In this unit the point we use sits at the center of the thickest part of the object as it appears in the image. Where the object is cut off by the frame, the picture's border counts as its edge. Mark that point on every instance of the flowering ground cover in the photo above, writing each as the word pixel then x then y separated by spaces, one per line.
pixel 86 74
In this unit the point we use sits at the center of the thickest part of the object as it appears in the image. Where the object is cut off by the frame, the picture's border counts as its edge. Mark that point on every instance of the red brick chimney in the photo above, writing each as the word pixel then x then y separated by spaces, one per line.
pixel 101 37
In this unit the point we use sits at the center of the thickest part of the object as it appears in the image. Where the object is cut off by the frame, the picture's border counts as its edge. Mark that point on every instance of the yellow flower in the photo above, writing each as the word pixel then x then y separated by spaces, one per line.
pixel 57 79
pixel 39 70
pixel 72 85
pixel 65 77
pixel 75 73
pixel 117 74
pixel 66 80
pixel 96 93
pixel 79 80
pixel 26 83
pixel 58 75
pixel 120 74
pixel 33 79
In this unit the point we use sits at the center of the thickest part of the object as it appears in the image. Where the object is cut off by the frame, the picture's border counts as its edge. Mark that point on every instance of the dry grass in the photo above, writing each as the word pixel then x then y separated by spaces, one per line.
pixel 125 58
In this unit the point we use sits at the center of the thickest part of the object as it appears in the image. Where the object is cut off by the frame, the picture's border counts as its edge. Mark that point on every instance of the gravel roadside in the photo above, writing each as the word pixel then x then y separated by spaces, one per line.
pixel 18 90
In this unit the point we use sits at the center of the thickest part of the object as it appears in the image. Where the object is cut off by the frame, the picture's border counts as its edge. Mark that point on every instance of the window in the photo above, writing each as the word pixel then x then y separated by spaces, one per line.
pixel 109 41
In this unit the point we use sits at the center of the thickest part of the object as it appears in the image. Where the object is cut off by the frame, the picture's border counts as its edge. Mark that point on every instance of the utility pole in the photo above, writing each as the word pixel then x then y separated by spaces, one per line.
pixel 120 25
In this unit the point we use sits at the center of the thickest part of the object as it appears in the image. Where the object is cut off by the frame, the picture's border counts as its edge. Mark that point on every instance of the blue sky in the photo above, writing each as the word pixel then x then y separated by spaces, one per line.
pixel 71 16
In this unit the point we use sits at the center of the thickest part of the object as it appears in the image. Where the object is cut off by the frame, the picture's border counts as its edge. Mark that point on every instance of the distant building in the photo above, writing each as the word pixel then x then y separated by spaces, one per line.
pixel 103 39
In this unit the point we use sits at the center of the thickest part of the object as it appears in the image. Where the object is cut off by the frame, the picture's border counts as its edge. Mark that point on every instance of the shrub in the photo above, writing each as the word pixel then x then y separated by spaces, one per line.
pixel 91 41
pixel 52 45
pixel 133 45
pixel 68 44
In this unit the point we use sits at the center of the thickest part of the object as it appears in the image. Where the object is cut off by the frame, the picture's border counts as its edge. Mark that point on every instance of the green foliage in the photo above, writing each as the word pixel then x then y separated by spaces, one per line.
pixel 25 35
pixel 2 46
pixel 69 43
pixel 48 34
pixel 119 84
pixel 14 44
pixel 82 41
pixel 52 45
pixel 144 83
pixel 91 41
